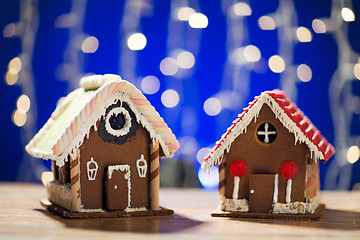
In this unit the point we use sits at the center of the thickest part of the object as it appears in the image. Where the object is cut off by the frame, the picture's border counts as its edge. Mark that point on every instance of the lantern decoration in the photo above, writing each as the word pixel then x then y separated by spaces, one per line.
pixel 92 168
pixel 141 166
pixel 289 170
pixel 237 169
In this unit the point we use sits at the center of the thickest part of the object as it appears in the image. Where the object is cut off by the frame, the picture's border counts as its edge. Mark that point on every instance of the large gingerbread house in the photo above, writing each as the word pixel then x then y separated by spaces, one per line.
pixel 104 140
pixel 268 160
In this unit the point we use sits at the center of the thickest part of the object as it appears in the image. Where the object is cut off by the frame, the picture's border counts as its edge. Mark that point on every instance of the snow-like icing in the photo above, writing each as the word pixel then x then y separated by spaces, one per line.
pixel 234 205
pixel 122 168
pixel 288 191
pixel 308 207
pixel 276 188
pixel 236 187
pixel 129 209
pixel 241 127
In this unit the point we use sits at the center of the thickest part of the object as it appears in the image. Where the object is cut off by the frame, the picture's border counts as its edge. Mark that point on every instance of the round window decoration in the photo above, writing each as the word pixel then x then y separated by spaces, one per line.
pixel 118 122
pixel 266 133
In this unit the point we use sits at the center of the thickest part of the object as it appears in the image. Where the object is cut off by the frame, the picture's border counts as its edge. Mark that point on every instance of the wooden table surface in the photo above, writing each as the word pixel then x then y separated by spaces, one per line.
pixel 22 217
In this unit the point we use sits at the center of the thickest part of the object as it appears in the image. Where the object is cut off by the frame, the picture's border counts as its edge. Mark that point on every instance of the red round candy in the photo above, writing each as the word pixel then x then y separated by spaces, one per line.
pixel 289 169
pixel 238 168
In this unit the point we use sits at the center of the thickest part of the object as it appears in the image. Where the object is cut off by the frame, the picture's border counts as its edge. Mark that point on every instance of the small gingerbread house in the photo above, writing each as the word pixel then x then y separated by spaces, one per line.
pixel 104 140
pixel 268 160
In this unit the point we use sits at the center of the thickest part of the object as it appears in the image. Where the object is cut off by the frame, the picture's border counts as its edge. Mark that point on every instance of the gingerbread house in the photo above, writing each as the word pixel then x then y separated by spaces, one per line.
pixel 268 160
pixel 104 140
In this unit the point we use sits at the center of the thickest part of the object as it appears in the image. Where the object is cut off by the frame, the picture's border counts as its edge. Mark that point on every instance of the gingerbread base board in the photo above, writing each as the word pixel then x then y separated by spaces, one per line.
pixel 58 210
pixel 319 213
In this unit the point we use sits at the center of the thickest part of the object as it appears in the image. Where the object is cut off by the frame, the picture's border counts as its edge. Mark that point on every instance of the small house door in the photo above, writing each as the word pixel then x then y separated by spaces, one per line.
pixel 261 187
pixel 118 187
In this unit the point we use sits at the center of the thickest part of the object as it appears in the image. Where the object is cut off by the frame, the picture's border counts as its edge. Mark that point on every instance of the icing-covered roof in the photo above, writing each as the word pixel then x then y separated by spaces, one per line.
pixel 288 114
pixel 74 116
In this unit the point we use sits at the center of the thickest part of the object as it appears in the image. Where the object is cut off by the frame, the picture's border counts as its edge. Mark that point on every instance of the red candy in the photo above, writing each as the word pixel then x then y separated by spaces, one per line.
pixel 289 169
pixel 238 168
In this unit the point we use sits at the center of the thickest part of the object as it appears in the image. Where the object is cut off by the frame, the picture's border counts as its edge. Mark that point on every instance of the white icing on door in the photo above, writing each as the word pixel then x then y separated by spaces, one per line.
pixel 91 169
pixel 141 166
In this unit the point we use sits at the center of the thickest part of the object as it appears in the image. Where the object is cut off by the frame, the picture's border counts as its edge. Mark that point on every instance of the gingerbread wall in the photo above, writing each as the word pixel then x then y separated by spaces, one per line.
pixel 107 153
pixel 262 158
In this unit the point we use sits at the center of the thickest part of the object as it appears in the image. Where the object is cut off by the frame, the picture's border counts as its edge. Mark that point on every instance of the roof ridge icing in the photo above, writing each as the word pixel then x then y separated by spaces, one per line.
pixel 287 113
pixel 101 89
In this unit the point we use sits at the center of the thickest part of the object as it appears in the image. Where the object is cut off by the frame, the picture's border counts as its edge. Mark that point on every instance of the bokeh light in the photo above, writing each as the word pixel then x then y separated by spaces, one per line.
pixel 202 153
pixel 188 145
pixel 14 65
pixel 137 41
pixel 19 118
pixel 252 53
pixel 169 66
pixel 266 23
pixel 198 20
pixel 276 64
pixel 46 177
pixel 347 14
pixel 9 30
pixel 303 34
pixel 90 45
pixel 184 13
pixel 185 60
pixel 170 98
pixel 357 70
pixel 11 78
pixel 212 106
pixel 23 103
pixel 242 9
pixel 209 181
pixel 318 26
pixel 304 73
pixel 353 154
pixel 150 84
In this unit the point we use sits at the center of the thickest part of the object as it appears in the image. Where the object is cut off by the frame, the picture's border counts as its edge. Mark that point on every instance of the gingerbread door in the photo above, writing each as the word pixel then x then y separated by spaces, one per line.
pixel 118 187
pixel 261 187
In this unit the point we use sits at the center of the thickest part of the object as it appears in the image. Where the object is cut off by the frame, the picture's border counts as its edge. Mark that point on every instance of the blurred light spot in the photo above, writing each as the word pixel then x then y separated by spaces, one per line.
pixel 170 98
pixel 90 44
pixel 150 84
pixel 303 34
pixel 188 145
pixel 304 73
pixel 202 153
pixel 14 65
pixel 353 154
pixel 46 177
pixel 318 26
pixel 266 23
pixel 209 180
pixel 260 66
pixel 168 66
pixel 212 106
pixel 242 9
pixel 11 78
pixel 252 53
pixel 63 72
pixel 198 20
pixel 185 59
pixel 184 13
pixel 23 103
pixel 277 64
pixel 19 118
pixel 347 14
pixel 237 56
pixel 66 20
pixel 9 30
pixel 357 70
pixel 136 41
